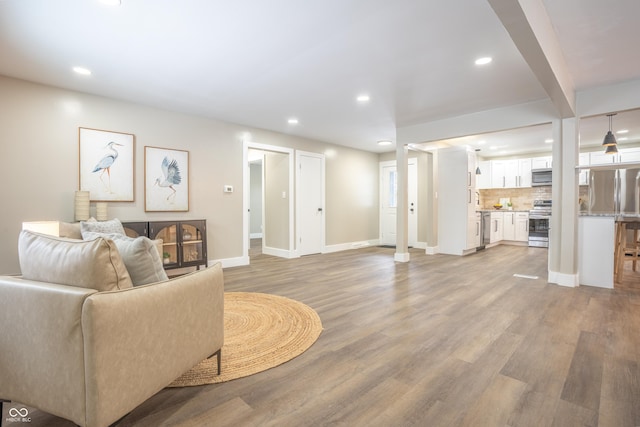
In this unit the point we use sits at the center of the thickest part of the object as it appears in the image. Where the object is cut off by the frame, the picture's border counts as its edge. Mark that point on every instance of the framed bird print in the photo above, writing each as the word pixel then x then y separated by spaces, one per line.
pixel 166 180
pixel 106 162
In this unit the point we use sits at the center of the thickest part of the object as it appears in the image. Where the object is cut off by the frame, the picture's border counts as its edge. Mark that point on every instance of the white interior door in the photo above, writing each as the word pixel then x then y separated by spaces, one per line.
pixel 310 203
pixel 389 200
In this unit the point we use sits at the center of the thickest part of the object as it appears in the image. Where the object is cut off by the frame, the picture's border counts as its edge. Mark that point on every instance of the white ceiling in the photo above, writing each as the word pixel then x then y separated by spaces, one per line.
pixel 258 63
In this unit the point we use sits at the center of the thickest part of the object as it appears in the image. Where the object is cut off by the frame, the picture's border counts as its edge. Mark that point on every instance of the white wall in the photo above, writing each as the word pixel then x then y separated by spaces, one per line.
pixel 39 173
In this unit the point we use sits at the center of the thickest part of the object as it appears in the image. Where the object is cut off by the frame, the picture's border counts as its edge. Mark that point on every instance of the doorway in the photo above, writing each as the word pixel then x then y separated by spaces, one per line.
pixel 276 222
pixel 310 216
pixel 389 200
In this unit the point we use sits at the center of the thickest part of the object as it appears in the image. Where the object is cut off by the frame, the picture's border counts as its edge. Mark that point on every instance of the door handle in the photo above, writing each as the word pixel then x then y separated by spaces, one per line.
pixel 319 209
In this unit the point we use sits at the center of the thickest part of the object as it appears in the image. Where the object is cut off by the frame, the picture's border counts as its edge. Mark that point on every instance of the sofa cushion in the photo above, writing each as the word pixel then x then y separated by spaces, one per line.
pixel 140 256
pixel 111 226
pixel 70 230
pixel 94 264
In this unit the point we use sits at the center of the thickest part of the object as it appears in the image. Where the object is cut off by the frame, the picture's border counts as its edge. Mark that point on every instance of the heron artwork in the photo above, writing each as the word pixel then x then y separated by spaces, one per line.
pixel 106 162
pixel 171 173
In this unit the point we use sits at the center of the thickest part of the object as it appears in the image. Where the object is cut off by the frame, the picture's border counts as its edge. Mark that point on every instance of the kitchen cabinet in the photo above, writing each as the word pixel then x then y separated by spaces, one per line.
pixel 509 226
pixel 629 155
pixel 483 180
pixel 544 162
pixel 497 227
pixel 515 226
pixel 184 243
pixel 514 173
pixel 457 201
pixel 600 158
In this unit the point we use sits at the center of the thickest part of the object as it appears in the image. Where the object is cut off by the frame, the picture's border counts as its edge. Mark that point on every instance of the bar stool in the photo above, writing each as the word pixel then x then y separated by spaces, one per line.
pixel 626 251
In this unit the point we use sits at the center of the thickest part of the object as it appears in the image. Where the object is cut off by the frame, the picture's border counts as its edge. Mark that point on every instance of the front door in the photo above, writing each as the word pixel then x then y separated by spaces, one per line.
pixel 389 200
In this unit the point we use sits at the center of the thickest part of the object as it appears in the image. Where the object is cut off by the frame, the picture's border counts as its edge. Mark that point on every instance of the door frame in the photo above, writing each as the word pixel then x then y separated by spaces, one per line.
pixel 246 145
pixel 413 162
pixel 298 198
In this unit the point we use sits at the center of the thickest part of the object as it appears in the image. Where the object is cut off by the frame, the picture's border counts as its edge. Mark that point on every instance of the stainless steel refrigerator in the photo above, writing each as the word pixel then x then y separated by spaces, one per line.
pixel 614 192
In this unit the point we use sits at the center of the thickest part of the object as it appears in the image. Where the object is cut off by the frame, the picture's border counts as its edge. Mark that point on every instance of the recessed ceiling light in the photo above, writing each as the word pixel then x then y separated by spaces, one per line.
pixel 624 138
pixel 484 60
pixel 482 142
pixel 493 147
pixel 82 70
pixel 385 142
pixel 363 98
pixel 623 131
pixel 292 121
pixel 548 141
pixel 111 2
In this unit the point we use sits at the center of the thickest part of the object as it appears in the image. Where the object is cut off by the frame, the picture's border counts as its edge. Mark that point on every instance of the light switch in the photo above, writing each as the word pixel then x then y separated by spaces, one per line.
pixel 284 194
pixel 228 188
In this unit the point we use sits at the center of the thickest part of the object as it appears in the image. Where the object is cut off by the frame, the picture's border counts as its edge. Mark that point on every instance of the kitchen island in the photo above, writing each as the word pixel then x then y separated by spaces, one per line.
pixel 596 248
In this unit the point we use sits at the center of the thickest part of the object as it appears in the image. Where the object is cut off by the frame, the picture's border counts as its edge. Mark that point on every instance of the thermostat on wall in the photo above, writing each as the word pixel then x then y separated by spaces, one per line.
pixel 228 188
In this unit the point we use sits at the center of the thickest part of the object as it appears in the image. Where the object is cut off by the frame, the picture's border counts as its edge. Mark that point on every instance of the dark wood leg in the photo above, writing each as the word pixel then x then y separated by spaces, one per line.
pixel 218 355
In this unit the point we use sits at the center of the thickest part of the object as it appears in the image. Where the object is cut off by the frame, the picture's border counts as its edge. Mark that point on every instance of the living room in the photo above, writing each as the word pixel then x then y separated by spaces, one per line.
pixel 39 130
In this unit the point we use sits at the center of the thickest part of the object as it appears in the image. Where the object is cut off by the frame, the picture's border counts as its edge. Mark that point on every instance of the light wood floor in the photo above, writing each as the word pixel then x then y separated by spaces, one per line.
pixel 439 341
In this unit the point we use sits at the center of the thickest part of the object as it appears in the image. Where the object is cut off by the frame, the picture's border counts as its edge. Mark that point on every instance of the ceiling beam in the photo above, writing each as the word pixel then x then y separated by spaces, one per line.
pixel 529 26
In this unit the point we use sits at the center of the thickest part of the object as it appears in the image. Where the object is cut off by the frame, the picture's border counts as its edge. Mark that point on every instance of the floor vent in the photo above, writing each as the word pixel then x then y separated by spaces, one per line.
pixel 525 276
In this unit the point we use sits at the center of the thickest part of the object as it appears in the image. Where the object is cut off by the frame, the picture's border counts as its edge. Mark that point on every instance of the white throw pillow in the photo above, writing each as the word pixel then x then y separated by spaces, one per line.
pixel 112 226
pixel 96 264
pixel 139 254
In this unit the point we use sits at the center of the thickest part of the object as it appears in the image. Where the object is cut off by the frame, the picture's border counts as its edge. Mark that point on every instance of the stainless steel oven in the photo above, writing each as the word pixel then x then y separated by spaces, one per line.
pixel 539 223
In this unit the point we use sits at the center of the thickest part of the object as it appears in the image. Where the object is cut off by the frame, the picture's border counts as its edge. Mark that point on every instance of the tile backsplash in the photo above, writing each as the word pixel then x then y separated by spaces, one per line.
pixel 521 198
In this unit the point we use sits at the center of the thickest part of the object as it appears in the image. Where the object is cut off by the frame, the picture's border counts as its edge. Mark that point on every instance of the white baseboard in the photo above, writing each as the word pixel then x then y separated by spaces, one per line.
pixel 348 246
pixel 282 253
pixel 431 250
pixel 402 257
pixel 569 280
pixel 255 235
pixel 420 245
pixel 230 262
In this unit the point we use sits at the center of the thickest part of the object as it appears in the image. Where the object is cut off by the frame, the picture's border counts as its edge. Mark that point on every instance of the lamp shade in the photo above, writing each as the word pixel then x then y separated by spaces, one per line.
pixel 611 149
pixel 51 228
pixel 609 140
pixel 101 211
pixel 82 205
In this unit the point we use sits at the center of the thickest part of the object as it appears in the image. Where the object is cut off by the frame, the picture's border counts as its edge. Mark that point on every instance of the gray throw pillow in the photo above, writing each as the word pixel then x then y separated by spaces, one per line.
pixel 139 254
pixel 111 226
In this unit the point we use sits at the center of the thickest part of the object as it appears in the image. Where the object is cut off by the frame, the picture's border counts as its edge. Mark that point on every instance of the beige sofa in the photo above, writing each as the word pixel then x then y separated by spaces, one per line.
pixel 91 356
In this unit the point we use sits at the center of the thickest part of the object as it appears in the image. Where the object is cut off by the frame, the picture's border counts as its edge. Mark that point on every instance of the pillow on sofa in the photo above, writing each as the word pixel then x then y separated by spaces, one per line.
pixel 70 230
pixel 94 264
pixel 111 226
pixel 139 254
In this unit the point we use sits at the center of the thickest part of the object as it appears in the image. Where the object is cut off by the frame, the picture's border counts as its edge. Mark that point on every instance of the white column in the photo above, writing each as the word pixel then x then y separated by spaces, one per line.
pixel 402 209
pixel 563 236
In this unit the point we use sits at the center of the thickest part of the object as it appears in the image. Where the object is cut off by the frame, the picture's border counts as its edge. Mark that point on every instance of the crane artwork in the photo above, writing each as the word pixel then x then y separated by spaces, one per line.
pixel 105 164
pixel 171 173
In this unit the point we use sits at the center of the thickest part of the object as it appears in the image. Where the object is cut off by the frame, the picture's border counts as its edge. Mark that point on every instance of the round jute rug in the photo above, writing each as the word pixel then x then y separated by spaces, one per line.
pixel 261 331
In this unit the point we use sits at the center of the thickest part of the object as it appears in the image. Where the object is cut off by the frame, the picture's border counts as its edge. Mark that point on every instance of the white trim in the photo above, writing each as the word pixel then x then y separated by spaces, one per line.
pixel 431 250
pixel 401 257
pixel 230 262
pixel 246 145
pixel 348 246
pixel 298 210
pixel 282 253
pixel 255 236
pixel 569 280
pixel 420 245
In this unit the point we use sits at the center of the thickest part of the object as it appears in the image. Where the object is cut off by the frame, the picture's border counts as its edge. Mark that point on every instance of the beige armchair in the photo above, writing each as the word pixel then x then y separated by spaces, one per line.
pixel 92 356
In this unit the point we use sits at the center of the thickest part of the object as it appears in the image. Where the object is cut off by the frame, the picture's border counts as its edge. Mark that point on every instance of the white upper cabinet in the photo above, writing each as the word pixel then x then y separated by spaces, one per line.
pixel 484 179
pixel 544 162
pixel 627 155
pixel 511 173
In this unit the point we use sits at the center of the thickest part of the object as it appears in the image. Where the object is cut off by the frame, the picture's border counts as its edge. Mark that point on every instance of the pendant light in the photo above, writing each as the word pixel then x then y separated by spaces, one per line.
pixel 610 139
